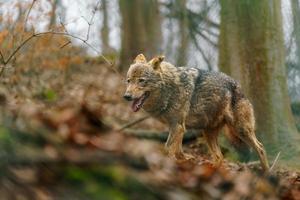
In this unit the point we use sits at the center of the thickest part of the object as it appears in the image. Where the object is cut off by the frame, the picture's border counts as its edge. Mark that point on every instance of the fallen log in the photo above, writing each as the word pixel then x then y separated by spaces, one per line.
pixel 189 136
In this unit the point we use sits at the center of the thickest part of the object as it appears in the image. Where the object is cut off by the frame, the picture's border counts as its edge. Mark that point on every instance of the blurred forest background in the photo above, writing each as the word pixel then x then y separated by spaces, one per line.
pixel 66 132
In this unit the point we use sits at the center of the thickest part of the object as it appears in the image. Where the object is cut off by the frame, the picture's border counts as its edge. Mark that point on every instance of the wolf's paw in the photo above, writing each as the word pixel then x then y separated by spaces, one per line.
pixel 185 157
pixel 217 163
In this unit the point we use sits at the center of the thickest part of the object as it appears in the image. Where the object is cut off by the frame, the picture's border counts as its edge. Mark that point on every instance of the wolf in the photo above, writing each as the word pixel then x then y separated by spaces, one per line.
pixel 196 99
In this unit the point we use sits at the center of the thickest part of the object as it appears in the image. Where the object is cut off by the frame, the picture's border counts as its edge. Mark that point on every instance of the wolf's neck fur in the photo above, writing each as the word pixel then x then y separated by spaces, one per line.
pixel 173 82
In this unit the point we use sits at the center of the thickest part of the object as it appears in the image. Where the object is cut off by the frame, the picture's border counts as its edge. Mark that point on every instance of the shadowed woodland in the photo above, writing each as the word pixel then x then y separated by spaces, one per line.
pixel 67 133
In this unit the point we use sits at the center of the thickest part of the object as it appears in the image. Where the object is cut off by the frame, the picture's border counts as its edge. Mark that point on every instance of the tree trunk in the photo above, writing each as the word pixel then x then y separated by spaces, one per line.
pixel 141 32
pixel 153 27
pixel 52 20
pixel 183 34
pixel 106 48
pixel 251 49
pixel 296 22
pixel 294 65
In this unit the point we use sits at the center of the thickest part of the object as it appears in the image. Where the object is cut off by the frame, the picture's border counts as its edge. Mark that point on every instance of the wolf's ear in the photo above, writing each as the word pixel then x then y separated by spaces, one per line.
pixel 140 59
pixel 155 62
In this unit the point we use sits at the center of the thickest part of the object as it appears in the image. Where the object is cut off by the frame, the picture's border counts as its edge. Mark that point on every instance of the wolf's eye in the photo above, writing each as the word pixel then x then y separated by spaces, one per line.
pixel 141 80
pixel 128 81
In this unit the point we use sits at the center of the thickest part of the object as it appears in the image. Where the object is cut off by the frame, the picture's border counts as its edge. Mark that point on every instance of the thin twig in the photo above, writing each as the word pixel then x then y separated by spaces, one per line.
pixel 211 33
pixel 66 44
pixel 5 61
pixel 275 161
pixel 206 38
pixel 2 62
pixel 202 53
pixel 133 123
pixel 65 30
pixel 63 25
pixel 72 21
pixel 2 58
pixel 28 13
pixel 91 21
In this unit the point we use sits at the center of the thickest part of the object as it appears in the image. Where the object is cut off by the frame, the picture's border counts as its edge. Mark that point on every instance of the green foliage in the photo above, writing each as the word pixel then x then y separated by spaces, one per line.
pixel 5 139
pixel 109 183
pixel 47 95
pixel 5 147
pixel 296 108
pixel 94 183
pixel 50 95
pixel 296 112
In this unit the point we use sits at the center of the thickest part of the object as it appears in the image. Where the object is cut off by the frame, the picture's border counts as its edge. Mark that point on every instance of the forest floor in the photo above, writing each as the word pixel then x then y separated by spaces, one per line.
pixel 61 139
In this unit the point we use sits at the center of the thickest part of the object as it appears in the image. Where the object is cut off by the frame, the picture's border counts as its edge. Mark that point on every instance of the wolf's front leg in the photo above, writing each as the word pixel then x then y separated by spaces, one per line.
pixel 174 142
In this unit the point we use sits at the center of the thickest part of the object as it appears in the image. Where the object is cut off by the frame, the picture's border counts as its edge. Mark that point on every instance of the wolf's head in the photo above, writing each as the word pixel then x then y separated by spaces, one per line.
pixel 142 80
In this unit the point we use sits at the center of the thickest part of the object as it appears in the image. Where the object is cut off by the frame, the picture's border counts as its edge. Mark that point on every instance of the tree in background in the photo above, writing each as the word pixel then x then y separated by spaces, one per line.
pixel 183 32
pixel 52 21
pixel 195 29
pixel 106 48
pixel 152 24
pixel 293 64
pixel 141 30
pixel 251 49
pixel 296 22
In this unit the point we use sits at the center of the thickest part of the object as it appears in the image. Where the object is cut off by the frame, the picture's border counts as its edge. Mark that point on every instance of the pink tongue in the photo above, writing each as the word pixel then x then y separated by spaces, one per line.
pixel 135 104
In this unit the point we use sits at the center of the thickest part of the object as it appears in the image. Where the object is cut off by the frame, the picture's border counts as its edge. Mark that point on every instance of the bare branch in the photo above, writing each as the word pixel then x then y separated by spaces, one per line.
pixel 210 32
pixel 133 123
pixel 17 49
pixel 204 57
pixel 85 19
pixel 2 62
pixel 275 161
pixel 63 25
pixel 5 61
pixel 71 21
pixel 65 30
pixel 2 58
pixel 202 52
pixel 88 33
pixel 28 13
pixel 66 44
pixel 91 21
pixel 212 23
pixel 54 33
pixel 206 38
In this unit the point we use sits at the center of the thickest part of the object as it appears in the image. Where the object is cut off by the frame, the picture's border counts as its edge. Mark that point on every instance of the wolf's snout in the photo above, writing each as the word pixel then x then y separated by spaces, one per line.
pixel 128 97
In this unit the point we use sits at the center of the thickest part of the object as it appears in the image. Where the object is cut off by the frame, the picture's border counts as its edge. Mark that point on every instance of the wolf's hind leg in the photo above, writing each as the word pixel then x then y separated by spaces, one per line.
pixel 211 138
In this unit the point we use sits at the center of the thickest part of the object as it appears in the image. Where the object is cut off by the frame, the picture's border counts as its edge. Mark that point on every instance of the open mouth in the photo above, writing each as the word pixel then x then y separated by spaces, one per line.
pixel 138 102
